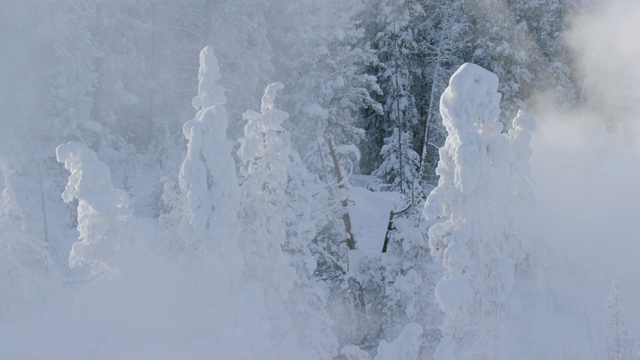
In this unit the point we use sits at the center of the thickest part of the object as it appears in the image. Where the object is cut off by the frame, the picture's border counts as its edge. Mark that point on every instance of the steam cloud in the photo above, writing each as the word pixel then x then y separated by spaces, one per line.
pixel 585 165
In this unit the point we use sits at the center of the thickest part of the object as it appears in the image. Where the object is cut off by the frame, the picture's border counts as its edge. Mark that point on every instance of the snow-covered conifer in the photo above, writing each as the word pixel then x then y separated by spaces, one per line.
pixel 398 50
pixel 105 223
pixel 264 151
pixel 450 42
pixel 24 260
pixel 121 31
pixel 278 228
pixel 73 76
pixel 526 255
pixel 503 45
pixel 396 173
pixel 471 239
pixel 324 59
pixel 207 178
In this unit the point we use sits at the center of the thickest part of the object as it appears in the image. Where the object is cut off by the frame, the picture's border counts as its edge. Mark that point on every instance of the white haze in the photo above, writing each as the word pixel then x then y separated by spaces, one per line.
pixel 586 168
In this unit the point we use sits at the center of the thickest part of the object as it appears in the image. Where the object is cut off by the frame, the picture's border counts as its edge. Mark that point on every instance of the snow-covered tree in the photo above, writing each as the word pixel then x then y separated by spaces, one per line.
pixel 264 150
pixel 120 33
pixel 399 168
pixel 526 254
pixel 105 224
pixel 398 50
pixel 412 279
pixel 25 261
pixel 503 44
pixel 307 300
pixel 473 239
pixel 73 75
pixel 447 47
pixel 207 178
pixel 546 22
pixel 323 67
pixel 245 53
pixel 274 236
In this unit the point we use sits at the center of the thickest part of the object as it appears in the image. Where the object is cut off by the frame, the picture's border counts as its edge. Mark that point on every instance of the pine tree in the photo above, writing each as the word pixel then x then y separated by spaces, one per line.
pixel 264 151
pixel 73 76
pixel 120 33
pixel 397 53
pixel 323 68
pixel 207 179
pixel 279 229
pixel 399 169
pixel 307 302
pixel 546 22
pixel 105 224
pixel 447 46
pixel 474 241
pixel 25 262
pixel 503 44
pixel 205 241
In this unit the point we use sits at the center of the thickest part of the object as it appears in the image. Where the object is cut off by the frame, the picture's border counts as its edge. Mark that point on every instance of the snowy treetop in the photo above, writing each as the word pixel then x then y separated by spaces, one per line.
pixel 472 98
pixel 87 174
pixel 209 92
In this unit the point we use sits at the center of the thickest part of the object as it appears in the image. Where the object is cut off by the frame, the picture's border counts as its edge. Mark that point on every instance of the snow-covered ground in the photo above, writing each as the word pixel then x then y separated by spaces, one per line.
pixel 370 216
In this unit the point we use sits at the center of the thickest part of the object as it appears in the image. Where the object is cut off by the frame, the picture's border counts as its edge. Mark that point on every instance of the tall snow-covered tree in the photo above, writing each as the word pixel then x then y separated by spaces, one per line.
pixel 307 301
pixel 398 50
pixel 474 240
pixel 323 67
pixel 446 49
pixel 264 151
pixel 207 176
pixel 274 244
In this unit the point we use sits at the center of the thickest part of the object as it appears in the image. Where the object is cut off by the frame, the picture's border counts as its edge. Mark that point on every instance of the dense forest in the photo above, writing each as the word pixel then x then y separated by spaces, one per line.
pixel 319 179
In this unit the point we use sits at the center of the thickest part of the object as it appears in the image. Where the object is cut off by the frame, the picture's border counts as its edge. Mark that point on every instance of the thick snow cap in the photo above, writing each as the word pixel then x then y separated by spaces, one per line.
pixel 470 107
pixel 472 99
pixel 269 97
pixel 209 92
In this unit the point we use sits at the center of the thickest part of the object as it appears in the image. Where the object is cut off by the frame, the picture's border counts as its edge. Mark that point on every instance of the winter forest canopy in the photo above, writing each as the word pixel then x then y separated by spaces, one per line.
pixel 319 179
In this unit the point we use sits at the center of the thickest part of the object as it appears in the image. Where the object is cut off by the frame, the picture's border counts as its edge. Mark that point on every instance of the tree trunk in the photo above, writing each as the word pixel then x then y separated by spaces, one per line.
pixel 346 218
